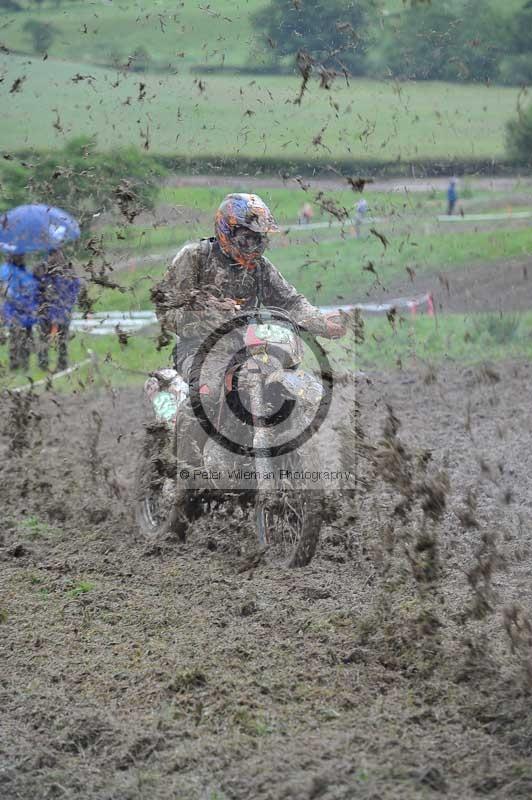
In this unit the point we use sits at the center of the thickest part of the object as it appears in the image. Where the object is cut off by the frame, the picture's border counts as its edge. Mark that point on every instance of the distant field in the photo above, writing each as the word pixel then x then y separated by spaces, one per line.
pixel 285 203
pixel 179 34
pixel 238 117
pixel 331 272
pixel 395 213
pixel 213 34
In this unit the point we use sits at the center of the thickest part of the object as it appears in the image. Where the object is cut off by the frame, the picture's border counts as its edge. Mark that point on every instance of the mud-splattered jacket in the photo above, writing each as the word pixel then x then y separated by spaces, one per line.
pixel 59 288
pixel 21 291
pixel 201 275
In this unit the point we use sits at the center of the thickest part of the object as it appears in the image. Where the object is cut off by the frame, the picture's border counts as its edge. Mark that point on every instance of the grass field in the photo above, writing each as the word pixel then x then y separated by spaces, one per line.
pixel 239 117
pixel 329 272
pixel 197 204
pixel 432 340
pixel 329 266
pixel 341 268
pixel 396 212
pixel 417 341
pixel 112 364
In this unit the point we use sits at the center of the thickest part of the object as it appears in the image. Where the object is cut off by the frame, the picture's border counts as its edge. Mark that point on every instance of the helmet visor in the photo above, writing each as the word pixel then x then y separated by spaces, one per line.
pixel 262 224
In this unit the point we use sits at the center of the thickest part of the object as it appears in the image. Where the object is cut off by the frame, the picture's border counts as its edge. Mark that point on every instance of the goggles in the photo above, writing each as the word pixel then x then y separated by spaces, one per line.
pixel 249 241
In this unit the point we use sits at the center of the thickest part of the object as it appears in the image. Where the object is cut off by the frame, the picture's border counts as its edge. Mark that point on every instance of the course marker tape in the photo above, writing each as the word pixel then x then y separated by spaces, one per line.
pixel 106 322
pixel 485 217
pixel 55 375
pixel 412 304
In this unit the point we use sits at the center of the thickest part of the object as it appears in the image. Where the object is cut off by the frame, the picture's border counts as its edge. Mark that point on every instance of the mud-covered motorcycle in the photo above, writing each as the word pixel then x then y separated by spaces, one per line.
pixel 259 434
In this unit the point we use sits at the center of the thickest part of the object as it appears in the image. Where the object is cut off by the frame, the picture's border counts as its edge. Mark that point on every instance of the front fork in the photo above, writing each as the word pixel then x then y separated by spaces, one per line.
pixel 263 461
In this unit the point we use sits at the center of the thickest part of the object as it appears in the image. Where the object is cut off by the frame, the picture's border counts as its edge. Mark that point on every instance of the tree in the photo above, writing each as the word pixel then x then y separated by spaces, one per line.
pixel 42 34
pixel 333 32
pixel 516 67
pixel 454 40
pixel 10 5
pixel 519 137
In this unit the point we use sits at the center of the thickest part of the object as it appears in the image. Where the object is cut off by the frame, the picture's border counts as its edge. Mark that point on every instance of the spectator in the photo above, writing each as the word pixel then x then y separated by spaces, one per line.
pixel 305 214
pixel 19 311
pixel 58 291
pixel 452 196
pixel 361 209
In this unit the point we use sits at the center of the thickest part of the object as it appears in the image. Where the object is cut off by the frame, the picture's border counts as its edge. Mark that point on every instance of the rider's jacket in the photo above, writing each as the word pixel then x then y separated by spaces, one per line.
pixel 187 299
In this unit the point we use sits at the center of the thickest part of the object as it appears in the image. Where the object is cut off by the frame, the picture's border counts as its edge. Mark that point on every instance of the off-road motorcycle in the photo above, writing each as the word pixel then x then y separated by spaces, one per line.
pixel 268 407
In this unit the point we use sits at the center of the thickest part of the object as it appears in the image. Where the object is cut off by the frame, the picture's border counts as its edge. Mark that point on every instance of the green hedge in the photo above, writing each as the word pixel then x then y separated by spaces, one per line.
pixel 18 181
pixel 211 165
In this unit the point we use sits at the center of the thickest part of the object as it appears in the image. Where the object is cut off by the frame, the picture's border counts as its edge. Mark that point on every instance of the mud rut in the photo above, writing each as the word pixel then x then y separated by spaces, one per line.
pixel 383 670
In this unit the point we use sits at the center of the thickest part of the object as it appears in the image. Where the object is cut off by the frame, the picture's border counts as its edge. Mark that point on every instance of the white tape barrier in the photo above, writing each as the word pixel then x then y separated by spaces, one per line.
pixel 314 226
pixel 106 322
pixel 118 315
pixel 54 376
pixel 349 223
pixel 509 215
pixel 424 302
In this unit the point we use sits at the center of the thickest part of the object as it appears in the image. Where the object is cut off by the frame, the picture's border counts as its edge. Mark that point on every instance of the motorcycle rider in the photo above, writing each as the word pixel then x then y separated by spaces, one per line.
pixel 211 281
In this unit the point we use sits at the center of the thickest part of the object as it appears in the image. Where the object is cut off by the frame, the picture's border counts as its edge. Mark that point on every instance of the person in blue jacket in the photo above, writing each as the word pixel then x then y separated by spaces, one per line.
pixel 58 291
pixel 452 196
pixel 20 294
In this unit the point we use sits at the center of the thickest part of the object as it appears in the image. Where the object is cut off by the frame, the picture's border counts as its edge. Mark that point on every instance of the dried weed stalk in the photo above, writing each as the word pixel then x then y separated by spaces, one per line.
pixel 488 560
pixel 518 626
pixel 22 420
pixel 93 440
pixel 419 492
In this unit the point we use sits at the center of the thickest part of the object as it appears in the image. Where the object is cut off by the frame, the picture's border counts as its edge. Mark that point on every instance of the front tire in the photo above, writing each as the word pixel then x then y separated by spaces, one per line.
pixel 288 520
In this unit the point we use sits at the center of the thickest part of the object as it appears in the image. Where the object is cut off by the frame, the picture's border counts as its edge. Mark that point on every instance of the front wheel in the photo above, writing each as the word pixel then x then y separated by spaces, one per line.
pixel 289 519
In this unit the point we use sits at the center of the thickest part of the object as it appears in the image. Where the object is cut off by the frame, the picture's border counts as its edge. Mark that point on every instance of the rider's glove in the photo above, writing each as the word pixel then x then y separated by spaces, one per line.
pixel 335 327
pixel 219 310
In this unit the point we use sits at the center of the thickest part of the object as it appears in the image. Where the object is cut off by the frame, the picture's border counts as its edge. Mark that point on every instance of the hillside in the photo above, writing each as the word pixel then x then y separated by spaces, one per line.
pixel 172 36
pixel 219 116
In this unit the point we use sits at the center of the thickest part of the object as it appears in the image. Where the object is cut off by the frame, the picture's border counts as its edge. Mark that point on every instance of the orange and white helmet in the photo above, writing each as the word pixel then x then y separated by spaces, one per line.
pixel 244 211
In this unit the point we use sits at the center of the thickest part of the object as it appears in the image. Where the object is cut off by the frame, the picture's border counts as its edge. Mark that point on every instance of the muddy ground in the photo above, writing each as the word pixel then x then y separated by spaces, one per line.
pixel 504 285
pixel 518 184
pixel 382 670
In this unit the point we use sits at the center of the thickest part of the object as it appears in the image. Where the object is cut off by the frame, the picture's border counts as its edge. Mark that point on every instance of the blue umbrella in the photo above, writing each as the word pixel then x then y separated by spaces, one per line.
pixel 32 228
